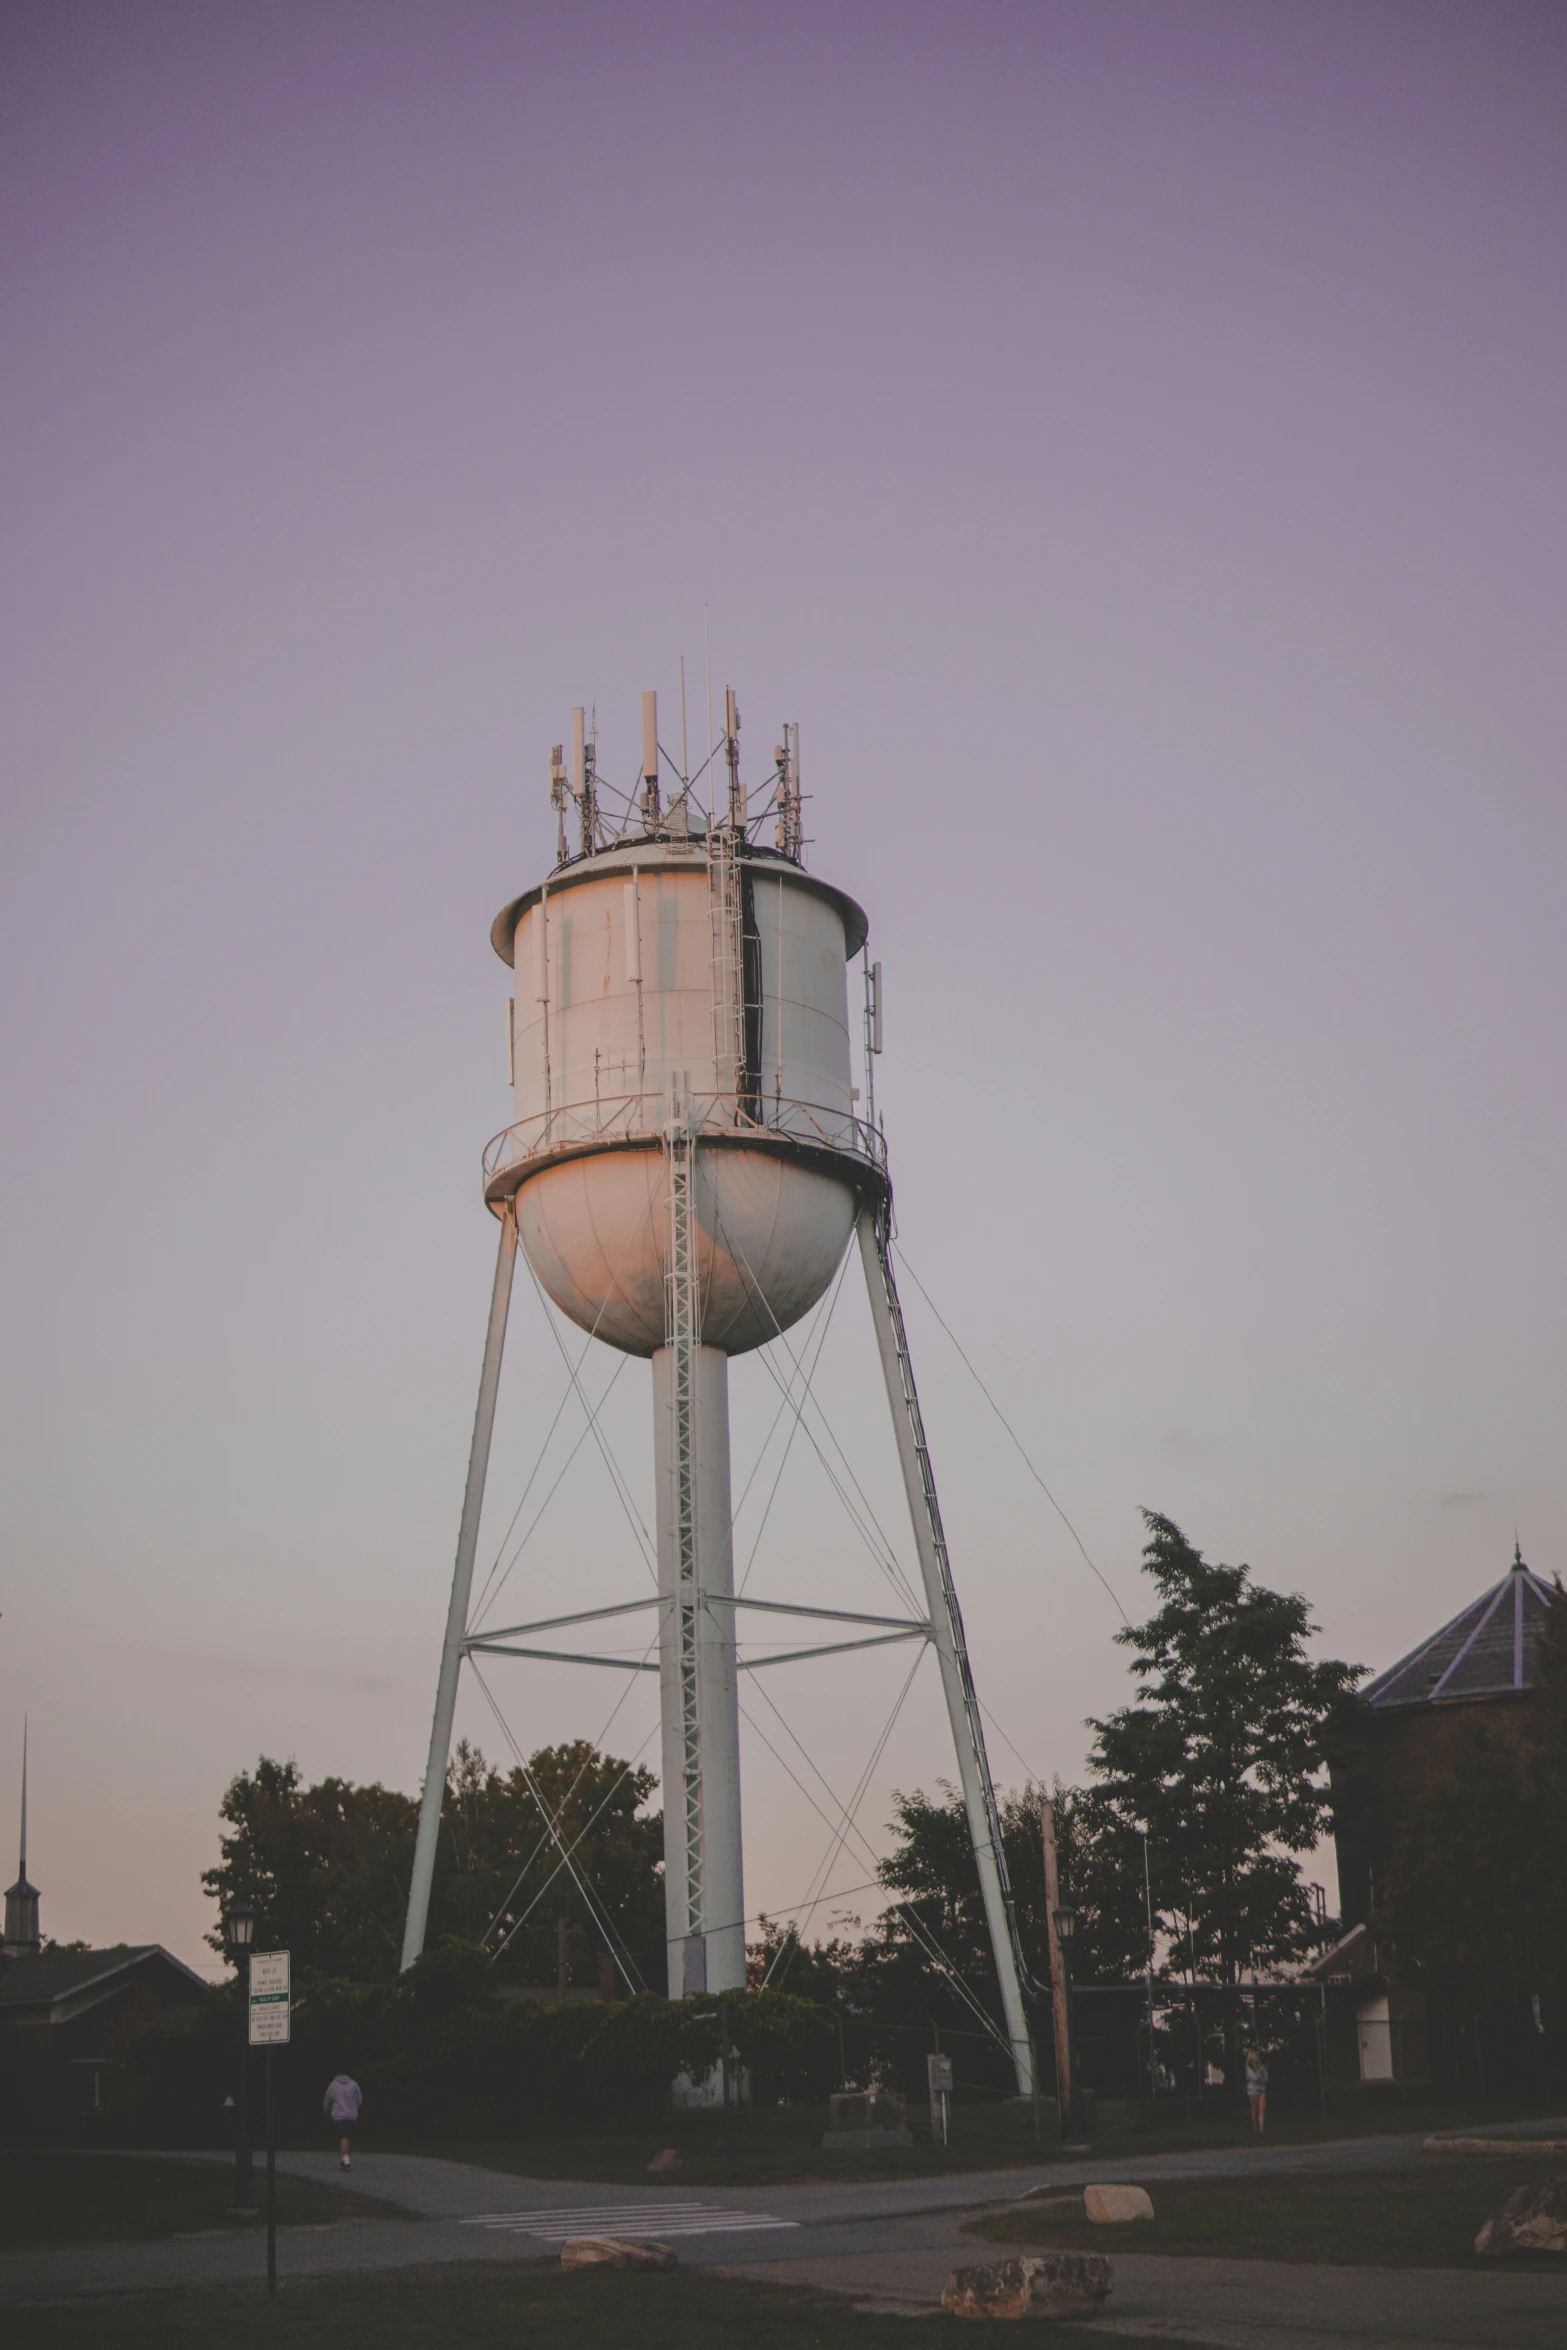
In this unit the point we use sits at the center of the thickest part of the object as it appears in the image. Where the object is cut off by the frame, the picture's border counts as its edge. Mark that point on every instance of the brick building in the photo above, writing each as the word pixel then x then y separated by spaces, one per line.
pixel 1479 1666
pixel 68 2018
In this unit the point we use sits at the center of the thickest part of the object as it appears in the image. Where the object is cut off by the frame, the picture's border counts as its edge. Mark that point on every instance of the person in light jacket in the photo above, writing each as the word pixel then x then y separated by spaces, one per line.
pixel 341 2106
pixel 1257 2089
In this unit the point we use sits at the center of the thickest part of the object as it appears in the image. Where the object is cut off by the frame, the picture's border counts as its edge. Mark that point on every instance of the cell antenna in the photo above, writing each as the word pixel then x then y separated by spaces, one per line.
pixel 732 753
pixel 650 760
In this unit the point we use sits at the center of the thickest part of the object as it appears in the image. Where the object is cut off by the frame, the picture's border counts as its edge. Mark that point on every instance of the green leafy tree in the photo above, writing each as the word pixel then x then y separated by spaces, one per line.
pixel 327 1866
pixel 1101 1868
pixel 502 1877
pixel 1222 1759
pixel 927 1963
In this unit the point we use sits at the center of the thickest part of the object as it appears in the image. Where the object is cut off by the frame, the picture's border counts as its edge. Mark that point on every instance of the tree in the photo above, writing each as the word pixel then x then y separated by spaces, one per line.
pixel 1206 1790
pixel 926 1966
pixel 327 1867
pixel 1221 1760
pixel 501 1877
pixel 1101 1869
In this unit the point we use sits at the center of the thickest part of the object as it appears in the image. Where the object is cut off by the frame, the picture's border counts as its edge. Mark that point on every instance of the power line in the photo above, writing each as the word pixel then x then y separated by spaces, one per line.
pixel 850 1811
pixel 489 1597
pixel 597 1747
pixel 615 1942
pixel 794 1430
pixel 886 1558
pixel 1012 1432
pixel 574 1384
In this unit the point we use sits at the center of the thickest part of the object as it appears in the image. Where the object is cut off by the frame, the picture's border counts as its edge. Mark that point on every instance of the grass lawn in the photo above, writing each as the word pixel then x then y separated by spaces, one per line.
pixel 1417 2218
pixel 48 2198
pixel 530 2309
pixel 763 2145
pixel 773 2145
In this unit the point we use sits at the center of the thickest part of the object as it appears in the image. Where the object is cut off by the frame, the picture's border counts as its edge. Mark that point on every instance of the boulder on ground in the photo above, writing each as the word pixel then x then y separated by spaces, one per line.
pixel 661 2164
pixel 1113 2206
pixel 1533 2219
pixel 1043 2284
pixel 614 2252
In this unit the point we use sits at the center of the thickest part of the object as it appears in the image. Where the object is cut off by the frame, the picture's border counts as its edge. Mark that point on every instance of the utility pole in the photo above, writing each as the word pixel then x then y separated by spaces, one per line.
pixel 1061 2022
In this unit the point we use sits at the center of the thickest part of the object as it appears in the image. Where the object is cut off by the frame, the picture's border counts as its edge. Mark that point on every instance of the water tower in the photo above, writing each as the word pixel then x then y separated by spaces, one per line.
pixel 687 1166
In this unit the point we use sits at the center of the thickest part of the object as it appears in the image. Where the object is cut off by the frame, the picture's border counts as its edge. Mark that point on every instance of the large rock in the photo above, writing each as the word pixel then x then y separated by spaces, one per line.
pixel 614 2252
pixel 1041 2284
pixel 1533 2219
pixel 1113 2206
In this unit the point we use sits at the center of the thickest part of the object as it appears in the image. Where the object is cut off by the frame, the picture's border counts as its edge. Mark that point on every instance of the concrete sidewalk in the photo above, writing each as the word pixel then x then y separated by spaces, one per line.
pixel 435 2188
pixel 889 2243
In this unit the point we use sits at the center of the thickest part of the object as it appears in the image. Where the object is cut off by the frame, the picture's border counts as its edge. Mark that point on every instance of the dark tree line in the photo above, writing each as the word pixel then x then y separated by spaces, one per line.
pixel 327 1867
pixel 1180 1854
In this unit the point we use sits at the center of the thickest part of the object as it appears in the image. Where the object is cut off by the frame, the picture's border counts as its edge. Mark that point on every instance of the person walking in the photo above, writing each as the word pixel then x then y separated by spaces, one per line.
pixel 1256 2089
pixel 341 2106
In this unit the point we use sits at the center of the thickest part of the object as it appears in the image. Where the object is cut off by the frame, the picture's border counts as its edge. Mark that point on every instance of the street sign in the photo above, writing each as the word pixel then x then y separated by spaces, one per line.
pixel 270 2002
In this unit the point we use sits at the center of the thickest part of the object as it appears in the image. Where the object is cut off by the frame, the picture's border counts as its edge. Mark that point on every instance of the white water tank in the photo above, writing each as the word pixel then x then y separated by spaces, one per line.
pixel 625 1015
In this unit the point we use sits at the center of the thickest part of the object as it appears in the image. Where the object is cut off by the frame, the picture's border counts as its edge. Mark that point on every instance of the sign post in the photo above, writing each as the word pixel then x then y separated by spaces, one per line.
pixel 271 2021
pixel 938 2072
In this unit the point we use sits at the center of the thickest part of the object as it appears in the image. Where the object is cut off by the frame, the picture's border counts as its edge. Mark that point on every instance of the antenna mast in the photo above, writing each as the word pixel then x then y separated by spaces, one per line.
pixel 650 761
pixel 732 754
pixel 558 799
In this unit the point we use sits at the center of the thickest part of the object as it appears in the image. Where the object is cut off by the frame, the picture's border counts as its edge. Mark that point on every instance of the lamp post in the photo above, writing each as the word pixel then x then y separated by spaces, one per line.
pixel 240 1927
pixel 1066 1926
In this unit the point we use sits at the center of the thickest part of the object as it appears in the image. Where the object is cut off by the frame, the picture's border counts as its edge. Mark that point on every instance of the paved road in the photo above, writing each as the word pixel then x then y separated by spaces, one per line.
pixel 889 2243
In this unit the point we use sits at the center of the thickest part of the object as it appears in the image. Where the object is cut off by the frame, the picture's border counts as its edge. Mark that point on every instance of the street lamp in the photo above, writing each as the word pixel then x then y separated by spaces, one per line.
pixel 1065 1921
pixel 240 1927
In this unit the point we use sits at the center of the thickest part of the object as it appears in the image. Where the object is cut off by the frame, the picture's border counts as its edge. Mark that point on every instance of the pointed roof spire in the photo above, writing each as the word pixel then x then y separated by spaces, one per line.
pixel 21 1901
pixel 1518 1565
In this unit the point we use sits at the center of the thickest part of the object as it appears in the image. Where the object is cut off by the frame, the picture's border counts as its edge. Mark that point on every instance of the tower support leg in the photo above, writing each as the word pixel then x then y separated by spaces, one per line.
pixel 462 1584
pixel 941 1599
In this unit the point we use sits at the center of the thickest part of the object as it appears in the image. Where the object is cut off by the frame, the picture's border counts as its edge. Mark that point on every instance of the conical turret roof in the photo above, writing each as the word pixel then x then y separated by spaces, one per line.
pixel 1487 1651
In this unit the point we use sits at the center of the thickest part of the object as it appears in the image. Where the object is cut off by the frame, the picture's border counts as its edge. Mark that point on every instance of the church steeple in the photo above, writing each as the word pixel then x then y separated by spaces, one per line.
pixel 21 1901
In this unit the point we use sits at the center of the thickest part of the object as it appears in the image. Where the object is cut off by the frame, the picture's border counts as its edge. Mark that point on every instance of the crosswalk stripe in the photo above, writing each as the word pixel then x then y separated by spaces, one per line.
pixel 553 2223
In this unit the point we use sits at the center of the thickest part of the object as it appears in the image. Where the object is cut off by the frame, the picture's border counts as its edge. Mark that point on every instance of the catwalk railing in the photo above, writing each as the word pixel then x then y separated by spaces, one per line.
pixel 622 1118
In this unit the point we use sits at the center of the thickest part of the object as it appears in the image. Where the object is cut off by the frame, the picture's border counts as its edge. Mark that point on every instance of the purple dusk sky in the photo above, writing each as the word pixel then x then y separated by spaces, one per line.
pixel 1128 438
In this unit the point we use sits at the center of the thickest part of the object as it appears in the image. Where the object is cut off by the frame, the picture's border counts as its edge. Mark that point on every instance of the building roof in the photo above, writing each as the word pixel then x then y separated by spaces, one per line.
pixel 1353 1953
pixel 66 1981
pixel 1487 1651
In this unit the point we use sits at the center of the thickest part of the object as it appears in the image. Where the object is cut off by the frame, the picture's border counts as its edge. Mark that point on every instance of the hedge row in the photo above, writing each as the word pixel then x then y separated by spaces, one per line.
pixel 438 2049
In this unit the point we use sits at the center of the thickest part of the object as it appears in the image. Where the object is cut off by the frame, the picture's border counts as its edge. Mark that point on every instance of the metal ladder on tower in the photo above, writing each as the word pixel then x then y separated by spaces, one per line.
pixel 682 1322
pixel 726 912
